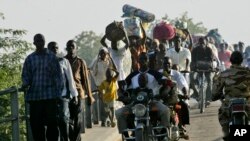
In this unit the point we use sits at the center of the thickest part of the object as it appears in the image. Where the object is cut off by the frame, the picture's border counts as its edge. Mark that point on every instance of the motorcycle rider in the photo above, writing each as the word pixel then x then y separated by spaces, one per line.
pixel 182 87
pixel 153 78
pixel 235 83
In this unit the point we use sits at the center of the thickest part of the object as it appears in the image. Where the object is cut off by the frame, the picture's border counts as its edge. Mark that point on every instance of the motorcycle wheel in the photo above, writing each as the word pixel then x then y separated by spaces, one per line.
pixel 239 120
pixel 139 135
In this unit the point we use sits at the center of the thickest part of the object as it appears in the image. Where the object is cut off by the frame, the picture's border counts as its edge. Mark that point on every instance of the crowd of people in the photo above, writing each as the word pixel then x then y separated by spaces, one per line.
pixel 59 88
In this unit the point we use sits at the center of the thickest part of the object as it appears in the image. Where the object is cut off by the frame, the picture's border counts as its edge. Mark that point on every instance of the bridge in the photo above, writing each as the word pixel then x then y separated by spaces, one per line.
pixel 204 127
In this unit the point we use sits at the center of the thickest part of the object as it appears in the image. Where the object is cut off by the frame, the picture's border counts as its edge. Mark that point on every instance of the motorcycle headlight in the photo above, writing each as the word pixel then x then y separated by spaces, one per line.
pixel 139 110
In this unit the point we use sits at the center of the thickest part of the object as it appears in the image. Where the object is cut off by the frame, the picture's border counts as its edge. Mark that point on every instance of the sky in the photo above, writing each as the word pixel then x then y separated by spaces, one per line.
pixel 62 20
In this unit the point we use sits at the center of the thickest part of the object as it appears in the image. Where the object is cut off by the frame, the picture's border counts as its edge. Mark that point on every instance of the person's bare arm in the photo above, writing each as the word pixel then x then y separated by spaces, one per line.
pixel 116 73
pixel 144 35
pixel 187 64
pixel 190 47
pixel 103 41
pixel 126 41
pixel 112 61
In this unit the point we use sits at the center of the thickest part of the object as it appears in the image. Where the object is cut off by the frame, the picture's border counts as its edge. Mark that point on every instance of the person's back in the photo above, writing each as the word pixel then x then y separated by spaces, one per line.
pixel 236 82
pixel 232 83
pixel 142 80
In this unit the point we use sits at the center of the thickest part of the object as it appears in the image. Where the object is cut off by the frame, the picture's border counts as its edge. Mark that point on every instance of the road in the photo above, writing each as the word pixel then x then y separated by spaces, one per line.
pixel 203 127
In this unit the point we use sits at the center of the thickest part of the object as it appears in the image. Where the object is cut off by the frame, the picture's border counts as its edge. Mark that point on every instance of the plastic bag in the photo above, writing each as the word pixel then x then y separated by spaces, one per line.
pixel 132 26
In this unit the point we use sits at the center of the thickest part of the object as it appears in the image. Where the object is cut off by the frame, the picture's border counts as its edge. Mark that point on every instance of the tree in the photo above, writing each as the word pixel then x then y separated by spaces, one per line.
pixel 13 49
pixel 89 45
pixel 193 27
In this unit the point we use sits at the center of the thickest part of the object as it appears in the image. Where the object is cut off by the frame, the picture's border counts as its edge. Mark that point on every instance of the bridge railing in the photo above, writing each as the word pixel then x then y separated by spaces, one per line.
pixel 14 117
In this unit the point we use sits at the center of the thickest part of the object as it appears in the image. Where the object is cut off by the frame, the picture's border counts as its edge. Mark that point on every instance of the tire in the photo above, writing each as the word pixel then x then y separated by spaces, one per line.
pixel 139 135
pixel 202 100
pixel 239 120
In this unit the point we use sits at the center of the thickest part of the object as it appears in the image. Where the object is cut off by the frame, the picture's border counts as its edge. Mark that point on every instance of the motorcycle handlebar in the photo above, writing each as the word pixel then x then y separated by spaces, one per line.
pixel 184 71
pixel 210 70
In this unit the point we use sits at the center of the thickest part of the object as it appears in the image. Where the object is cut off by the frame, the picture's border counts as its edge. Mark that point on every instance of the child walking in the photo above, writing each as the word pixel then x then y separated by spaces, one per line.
pixel 108 95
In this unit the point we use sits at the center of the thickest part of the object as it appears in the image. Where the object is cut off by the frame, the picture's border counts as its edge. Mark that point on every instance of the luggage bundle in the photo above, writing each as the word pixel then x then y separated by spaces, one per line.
pixel 131 11
pixel 132 26
pixel 115 31
pixel 133 18
pixel 215 35
pixel 182 33
pixel 164 31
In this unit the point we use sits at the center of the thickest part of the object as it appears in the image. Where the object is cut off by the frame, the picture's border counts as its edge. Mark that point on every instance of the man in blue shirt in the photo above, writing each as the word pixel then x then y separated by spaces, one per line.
pixel 42 77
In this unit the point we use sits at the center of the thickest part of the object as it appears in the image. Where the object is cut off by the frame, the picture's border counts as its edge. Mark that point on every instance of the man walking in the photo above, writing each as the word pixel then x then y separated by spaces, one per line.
pixel 80 74
pixel 42 77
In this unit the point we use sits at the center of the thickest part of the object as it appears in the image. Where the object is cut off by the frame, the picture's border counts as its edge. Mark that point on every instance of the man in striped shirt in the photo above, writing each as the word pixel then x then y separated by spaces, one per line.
pixel 42 77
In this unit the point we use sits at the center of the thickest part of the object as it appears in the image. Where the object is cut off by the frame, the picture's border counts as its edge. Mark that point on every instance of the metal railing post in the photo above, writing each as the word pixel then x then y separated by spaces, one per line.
pixel 15 115
pixel 27 119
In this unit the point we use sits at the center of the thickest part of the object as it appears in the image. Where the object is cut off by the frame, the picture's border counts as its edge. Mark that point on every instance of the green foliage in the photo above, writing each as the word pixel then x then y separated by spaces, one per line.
pixel 1 15
pixel 13 50
pixel 89 45
pixel 191 25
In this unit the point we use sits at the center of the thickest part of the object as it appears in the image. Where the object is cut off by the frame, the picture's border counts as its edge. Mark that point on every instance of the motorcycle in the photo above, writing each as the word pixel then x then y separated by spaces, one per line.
pixel 170 99
pixel 145 128
pixel 237 111
pixel 175 132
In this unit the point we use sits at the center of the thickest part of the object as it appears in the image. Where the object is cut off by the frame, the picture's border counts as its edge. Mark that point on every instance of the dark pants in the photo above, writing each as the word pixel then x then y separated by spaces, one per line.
pixel 102 112
pixel 208 80
pixel 63 105
pixel 87 116
pixel 76 124
pixel 43 120
pixel 95 108
pixel 183 113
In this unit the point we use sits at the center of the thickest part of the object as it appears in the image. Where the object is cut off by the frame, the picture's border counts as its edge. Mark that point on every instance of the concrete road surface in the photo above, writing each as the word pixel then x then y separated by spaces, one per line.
pixel 203 127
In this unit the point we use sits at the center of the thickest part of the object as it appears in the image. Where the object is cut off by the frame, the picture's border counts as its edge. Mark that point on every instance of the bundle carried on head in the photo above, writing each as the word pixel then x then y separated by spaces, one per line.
pixel 115 31
pixel 215 35
pixel 132 26
pixel 131 11
pixel 183 33
pixel 164 31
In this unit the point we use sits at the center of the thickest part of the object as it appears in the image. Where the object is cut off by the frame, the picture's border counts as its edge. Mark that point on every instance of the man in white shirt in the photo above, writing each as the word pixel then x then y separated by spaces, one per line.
pixel 69 92
pixel 180 56
pixel 153 78
pixel 181 82
pixel 182 88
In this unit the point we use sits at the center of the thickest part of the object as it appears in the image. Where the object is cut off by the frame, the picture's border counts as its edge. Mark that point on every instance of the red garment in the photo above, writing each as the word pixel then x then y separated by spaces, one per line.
pixel 225 57
pixel 135 52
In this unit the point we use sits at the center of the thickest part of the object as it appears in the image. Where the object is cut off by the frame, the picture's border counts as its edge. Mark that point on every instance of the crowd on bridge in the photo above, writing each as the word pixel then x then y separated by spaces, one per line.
pixel 59 88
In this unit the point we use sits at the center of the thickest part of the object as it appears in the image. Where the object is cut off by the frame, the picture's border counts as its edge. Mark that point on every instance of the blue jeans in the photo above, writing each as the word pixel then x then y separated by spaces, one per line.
pixel 63 109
